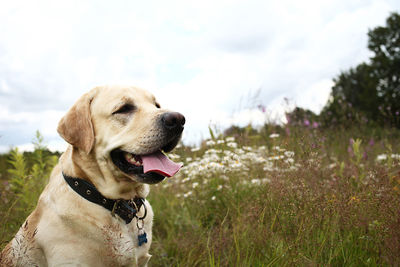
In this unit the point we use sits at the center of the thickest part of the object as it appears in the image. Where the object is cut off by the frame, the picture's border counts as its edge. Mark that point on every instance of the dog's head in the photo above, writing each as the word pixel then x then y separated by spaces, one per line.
pixel 126 131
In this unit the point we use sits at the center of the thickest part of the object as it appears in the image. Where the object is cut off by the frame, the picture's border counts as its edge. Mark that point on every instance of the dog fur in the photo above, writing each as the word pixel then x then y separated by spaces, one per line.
pixel 66 229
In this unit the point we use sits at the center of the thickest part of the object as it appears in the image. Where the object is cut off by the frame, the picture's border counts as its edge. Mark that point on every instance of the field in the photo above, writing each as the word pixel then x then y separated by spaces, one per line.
pixel 280 196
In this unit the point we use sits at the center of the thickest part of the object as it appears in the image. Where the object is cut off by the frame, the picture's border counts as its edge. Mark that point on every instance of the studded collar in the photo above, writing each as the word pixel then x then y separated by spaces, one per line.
pixel 126 209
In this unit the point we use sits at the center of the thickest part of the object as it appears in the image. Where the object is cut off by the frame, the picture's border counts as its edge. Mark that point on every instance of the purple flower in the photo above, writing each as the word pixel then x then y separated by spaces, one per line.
pixel 397 113
pixel 262 108
pixel 371 142
pixel 350 150
pixel 306 122
pixel 315 124
pixel 313 145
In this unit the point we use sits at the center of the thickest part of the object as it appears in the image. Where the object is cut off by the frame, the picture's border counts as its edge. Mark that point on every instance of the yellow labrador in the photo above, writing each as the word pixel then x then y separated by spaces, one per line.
pixel 93 212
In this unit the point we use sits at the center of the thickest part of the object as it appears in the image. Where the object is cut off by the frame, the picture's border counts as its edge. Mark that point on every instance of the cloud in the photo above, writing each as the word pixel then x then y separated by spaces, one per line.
pixel 18 128
pixel 199 58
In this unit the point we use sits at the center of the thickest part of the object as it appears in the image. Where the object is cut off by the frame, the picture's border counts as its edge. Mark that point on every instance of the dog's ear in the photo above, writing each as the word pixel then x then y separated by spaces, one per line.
pixel 76 126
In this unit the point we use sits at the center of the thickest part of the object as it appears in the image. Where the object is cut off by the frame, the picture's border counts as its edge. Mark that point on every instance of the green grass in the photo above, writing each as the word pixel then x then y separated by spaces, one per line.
pixel 306 198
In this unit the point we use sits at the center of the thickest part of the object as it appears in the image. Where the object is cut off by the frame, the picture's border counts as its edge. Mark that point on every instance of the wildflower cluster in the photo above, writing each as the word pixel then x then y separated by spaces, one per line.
pixel 225 158
pixel 384 157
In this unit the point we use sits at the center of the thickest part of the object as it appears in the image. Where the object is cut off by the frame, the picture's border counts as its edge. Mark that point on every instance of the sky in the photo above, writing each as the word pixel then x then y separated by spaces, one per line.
pixel 213 61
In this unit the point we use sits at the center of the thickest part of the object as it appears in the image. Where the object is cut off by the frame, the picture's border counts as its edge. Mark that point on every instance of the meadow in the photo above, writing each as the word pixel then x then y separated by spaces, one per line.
pixel 278 196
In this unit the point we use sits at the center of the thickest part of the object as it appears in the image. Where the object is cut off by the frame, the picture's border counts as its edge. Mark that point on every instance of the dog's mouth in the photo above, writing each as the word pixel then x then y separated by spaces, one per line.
pixel 150 168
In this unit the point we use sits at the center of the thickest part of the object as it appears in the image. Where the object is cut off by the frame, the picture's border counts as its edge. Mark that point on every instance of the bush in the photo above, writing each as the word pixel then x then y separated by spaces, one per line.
pixel 27 179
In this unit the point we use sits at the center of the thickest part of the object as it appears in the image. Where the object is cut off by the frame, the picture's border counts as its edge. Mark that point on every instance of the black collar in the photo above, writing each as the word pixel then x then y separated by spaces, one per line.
pixel 126 209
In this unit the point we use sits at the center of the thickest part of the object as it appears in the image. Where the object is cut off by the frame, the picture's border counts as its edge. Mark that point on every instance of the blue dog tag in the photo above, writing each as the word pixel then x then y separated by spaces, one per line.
pixel 142 238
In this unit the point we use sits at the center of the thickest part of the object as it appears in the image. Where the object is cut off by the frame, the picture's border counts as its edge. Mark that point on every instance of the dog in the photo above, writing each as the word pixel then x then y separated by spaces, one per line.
pixel 93 212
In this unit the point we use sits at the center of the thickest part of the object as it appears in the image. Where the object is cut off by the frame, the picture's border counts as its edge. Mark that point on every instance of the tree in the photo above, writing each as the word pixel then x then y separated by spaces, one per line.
pixel 302 117
pixel 370 91
pixel 385 43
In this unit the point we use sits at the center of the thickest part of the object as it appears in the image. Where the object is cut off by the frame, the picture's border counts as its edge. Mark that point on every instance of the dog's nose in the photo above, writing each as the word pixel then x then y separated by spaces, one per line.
pixel 173 121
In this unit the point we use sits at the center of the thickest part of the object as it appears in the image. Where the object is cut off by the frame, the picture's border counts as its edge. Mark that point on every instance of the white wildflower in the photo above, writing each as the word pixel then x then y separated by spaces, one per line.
pixel 232 144
pixel 219 187
pixel 213 198
pixel 293 168
pixel 260 160
pixel 189 159
pixel 236 164
pixel 274 135
pixel 210 143
pixel 239 151
pixel 230 139
pixel 289 161
pixel 395 156
pixel 187 194
pixel 332 165
pixel 381 157
pixel 213 151
pixel 262 148
pixel 219 142
pixel 186 180
pixel 195 184
pixel 269 166
pixel 289 154
pixel 195 149
pixel 276 148
pixel 260 181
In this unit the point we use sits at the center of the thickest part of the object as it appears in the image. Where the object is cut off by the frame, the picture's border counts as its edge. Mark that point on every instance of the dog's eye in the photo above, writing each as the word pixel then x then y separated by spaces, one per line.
pixel 158 105
pixel 127 108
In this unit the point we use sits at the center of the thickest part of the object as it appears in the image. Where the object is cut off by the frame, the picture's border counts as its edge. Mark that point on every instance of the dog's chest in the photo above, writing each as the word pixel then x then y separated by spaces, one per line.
pixel 120 243
pixel 124 243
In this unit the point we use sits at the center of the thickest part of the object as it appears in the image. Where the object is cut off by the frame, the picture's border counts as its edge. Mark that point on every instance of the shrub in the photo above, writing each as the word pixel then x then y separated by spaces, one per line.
pixel 27 179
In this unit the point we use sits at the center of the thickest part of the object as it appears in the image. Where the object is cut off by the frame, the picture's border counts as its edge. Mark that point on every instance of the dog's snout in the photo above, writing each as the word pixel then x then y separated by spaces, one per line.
pixel 173 121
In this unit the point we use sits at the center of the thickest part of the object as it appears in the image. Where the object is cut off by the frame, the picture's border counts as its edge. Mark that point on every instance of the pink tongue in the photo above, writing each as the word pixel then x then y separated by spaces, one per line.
pixel 158 162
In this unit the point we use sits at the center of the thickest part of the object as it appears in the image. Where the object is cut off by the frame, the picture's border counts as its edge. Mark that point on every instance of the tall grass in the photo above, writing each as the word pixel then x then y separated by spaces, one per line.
pixel 277 197
pixel 303 197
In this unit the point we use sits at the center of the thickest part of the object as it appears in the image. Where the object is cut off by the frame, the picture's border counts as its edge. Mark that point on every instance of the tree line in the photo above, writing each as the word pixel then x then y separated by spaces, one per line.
pixel 368 93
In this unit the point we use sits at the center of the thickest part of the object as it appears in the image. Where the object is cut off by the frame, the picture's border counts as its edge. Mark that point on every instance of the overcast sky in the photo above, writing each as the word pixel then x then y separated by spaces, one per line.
pixel 213 61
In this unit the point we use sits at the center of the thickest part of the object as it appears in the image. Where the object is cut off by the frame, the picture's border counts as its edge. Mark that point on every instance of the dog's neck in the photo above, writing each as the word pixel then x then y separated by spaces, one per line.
pixel 97 173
